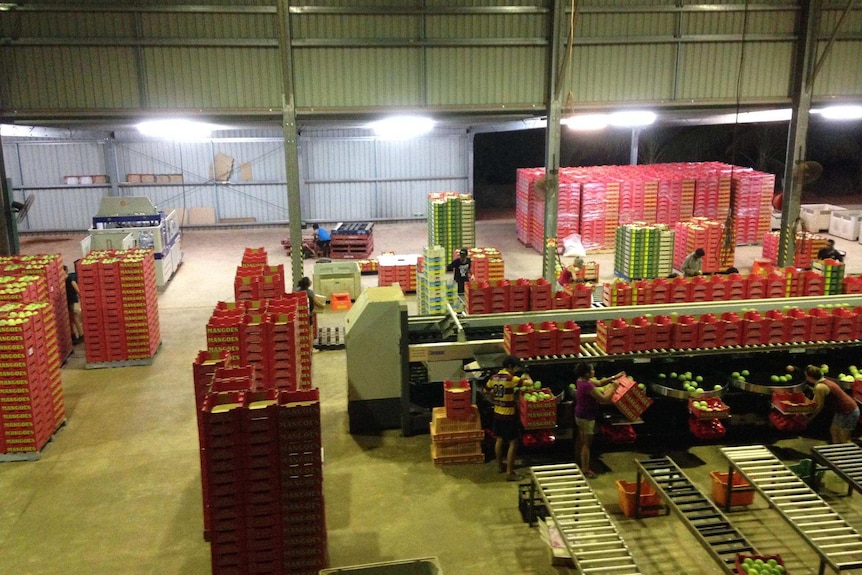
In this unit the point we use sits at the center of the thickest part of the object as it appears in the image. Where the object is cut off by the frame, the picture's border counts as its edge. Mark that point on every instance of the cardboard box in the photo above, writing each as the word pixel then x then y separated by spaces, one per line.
pixel 133 178
pixel 245 173
pixel 175 178
pixel 630 399
pixel 222 167
pixel 148 178
pixel 163 178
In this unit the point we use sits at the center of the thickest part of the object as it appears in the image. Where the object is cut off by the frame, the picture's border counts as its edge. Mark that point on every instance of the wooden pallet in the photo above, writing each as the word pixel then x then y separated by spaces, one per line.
pixel 329 338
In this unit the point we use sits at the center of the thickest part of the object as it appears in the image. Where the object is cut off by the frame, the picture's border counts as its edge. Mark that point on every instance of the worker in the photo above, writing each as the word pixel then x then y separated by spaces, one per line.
pixel 315 301
pixel 846 413
pixel 321 239
pixel 570 273
pixel 73 298
pixel 501 388
pixel 829 252
pixel 692 265
pixel 588 397
pixel 462 267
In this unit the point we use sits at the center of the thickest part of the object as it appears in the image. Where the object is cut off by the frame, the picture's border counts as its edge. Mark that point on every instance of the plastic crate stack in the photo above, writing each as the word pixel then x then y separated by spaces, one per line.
pixel 643 251
pixel 434 288
pixel 255 279
pixel 50 266
pixel 264 478
pixel 805 253
pixel 712 191
pixel 525 194
pixel 273 336
pixel 669 200
pixel 397 270
pixel 203 369
pixel 702 233
pixel 449 214
pixel 487 264
pixel 456 429
pixel 833 275
pixel 31 391
pixel 568 207
pixel 119 305
pixel 631 202
pixel 752 204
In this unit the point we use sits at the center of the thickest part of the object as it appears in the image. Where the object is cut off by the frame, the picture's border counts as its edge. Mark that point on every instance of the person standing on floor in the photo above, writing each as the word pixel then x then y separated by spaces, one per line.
pixel 846 410
pixel 73 297
pixel 588 397
pixel 462 266
pixel 501 387
pixel 692 265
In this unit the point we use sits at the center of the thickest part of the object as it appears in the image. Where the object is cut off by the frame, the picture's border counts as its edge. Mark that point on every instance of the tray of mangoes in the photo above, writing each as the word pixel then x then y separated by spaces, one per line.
pixel 687 384
pixel 767 380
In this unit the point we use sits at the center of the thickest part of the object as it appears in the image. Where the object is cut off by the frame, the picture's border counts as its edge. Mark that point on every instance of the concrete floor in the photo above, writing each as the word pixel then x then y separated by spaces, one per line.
pixel 118 488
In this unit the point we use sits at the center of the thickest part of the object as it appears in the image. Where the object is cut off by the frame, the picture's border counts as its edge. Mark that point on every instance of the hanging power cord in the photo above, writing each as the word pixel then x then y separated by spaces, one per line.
pixel 729 234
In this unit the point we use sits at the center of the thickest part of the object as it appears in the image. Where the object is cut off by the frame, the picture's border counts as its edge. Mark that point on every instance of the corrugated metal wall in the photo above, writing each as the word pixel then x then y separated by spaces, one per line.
pixel 346 175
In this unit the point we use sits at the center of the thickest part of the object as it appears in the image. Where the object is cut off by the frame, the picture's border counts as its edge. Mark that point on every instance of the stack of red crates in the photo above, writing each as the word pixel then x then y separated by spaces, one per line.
pixel 51 268
pixel 457 399
pixel 264 478
pixel 487 264
pixel 706 234
pixel 274 336
pixel 31 391
pixel 752 199
pixel 256 279
pixel 806 248
pixel 568 206
pixel 541 295
pixel 203 370
pixel 525 194
pixel 119 305
pixel 402 273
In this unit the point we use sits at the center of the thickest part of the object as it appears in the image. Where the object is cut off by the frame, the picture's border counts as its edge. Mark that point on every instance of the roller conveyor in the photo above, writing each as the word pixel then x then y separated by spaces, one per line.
pixel 837 543
pixel 845 460
pixel 702 517
pixel 591 537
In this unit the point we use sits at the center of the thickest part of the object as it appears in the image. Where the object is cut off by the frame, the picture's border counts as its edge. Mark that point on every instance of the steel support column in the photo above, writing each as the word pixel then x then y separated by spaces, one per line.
pixel 556 22
pixel 291 147
pixel 802 86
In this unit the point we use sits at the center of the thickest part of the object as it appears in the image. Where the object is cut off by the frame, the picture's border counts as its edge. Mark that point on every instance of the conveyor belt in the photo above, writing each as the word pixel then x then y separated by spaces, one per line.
pixel 591 537
pixel 845 460
pixel 837 543
pixel 702 517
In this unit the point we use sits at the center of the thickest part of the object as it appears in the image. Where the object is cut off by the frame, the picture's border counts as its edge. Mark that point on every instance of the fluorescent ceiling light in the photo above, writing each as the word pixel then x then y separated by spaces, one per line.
pixel 401 127
pixel 840 112
pixel 586 122
pixel 176 129
pixel 632 118
pixel 779 115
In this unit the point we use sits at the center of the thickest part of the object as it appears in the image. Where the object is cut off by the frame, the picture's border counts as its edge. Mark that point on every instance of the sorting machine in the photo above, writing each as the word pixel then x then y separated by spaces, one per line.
pixel 419 352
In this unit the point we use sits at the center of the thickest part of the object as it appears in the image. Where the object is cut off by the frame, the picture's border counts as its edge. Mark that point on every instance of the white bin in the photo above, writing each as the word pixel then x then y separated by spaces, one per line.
pixel 845 224
pixel 816 216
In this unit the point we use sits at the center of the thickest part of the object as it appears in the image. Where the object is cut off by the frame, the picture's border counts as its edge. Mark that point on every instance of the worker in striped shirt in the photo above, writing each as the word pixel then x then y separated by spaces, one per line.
pixel 501 387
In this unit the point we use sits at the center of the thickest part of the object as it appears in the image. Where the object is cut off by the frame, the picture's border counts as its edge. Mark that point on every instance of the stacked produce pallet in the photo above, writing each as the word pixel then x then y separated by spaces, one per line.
pixel 707 234
pixel 526 180
pixel 31 391
pixel 434 289
pixel 456 439
pixel 399 270
pixel 805 252
pixel 51 268
pixel 487 264
pixel 257 280
pixel 642 251
pixel 264 478
pixel 833 275
pixel 352 241
pixel 120 308
pixel 273 336
pixel 569 208
pixel 449 215
pixel 657 193
pixel 752 204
